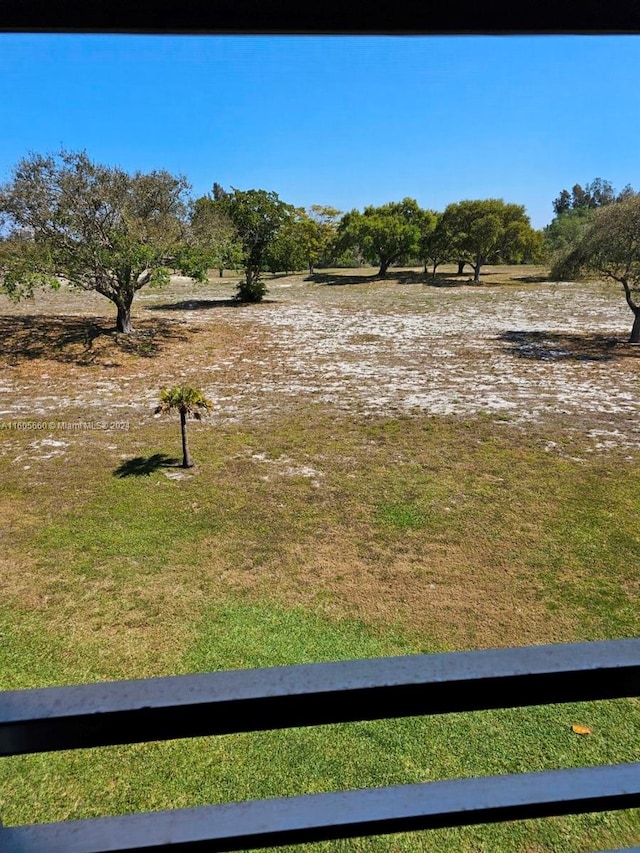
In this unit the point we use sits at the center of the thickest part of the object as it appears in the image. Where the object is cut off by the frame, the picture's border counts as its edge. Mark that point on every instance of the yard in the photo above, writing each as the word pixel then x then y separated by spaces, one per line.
pixel 391 467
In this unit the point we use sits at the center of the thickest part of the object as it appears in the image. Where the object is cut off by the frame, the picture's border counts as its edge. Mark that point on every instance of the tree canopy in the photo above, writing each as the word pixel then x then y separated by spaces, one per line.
pixel 286 252
pixel 385 235
pixel 436 240
pixel 566 228
pixel 213 233
pixel 574 211
pixel 598 193
pixel 257 216
pixel 488 231
pixel 97 227
pixel 317 231
pixel 610 247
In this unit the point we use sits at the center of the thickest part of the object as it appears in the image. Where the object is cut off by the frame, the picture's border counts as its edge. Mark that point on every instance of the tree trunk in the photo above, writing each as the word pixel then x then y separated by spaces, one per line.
pixel 220 271
pixel 123 321
pixel 476 268
pixel 634 337
pixel 433 275
pixel 310 267
pixel 461 267
pixel 384 266
pixel 187 461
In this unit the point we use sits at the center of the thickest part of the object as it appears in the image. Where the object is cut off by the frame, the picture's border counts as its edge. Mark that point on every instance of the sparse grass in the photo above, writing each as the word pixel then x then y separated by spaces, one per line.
pixel 308 535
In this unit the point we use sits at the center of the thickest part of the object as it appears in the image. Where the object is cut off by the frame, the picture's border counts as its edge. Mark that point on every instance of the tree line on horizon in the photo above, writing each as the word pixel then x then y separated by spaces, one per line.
pixel 65 217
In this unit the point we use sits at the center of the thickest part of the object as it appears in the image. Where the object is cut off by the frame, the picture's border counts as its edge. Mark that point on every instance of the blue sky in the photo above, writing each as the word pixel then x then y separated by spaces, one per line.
pixel 340 120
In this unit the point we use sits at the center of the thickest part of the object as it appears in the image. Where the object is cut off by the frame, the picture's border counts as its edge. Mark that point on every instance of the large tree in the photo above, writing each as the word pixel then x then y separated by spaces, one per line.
pixel 436 240
pixel 385 235
pixel 286 252
pixel 574 211
pixel 490 231
pixel 598 193
pixel 610 248
pixel 317 231
pixel 307 238
pixel 97 227
pixel 257 216
pixel 214 234
pixel 566 228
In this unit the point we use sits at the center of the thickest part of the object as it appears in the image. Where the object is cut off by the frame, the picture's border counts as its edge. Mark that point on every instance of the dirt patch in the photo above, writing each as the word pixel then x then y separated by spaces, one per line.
pixel 543 353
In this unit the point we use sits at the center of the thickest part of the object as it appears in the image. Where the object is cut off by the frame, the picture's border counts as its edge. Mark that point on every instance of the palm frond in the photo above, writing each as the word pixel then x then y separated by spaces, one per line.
pixel 185 399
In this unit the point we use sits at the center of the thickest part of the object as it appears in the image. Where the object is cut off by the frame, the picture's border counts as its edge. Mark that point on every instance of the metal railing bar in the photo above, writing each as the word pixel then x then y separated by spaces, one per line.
pixel 622 850
pixel 103 714
pixel 345 814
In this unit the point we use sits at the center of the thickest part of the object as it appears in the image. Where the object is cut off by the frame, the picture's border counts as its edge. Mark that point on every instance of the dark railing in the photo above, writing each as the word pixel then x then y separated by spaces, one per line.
pixel 93 715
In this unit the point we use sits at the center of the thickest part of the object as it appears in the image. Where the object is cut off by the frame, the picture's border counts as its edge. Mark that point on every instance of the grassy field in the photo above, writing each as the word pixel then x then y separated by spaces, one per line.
pixel 392 467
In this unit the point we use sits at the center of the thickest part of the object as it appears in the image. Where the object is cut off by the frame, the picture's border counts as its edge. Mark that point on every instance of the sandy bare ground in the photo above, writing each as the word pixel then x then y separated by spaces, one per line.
pixel 547 354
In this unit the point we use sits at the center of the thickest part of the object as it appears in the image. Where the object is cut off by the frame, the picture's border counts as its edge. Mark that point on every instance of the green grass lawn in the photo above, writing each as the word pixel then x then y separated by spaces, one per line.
pixel 320 538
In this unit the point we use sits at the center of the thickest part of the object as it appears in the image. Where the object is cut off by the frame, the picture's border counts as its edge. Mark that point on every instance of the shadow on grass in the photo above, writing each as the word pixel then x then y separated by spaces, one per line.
pixel 195 305
pixel 450 280
pixel 564 346
pixel 402 276
pixel 447 280
pixel 466 279
pixel 143 466
pixel 81 340
pixel 399 276
pixel 336 279
pixel 531 279
pixel 409 276
pixel 205 304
